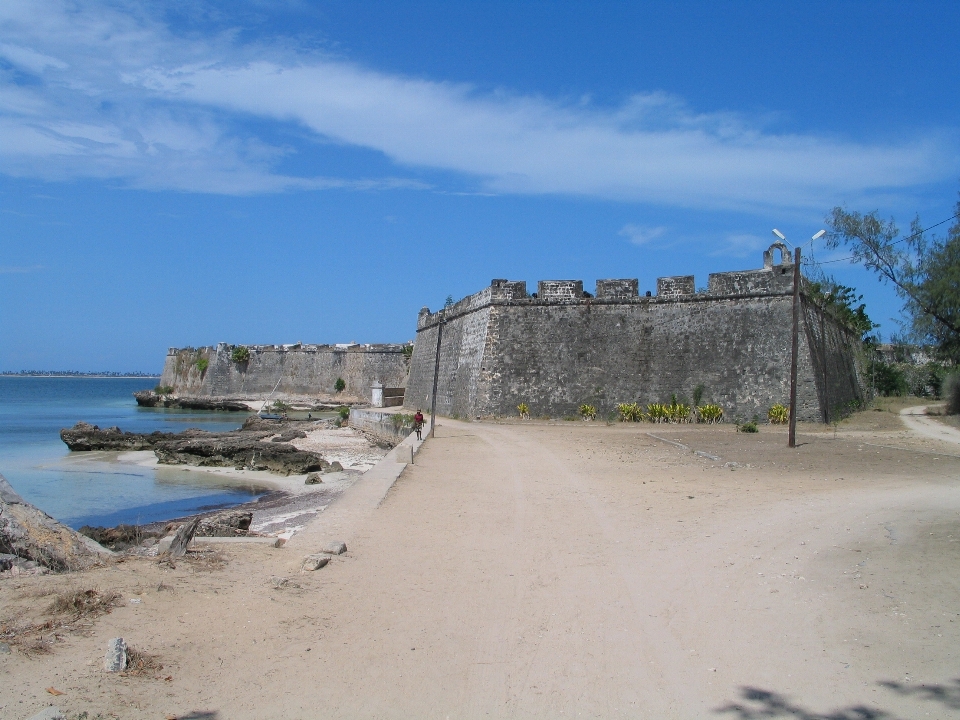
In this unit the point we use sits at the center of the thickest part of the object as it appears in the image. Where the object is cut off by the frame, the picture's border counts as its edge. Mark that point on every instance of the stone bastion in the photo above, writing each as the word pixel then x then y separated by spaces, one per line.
pixel 560 347
pixel 286 371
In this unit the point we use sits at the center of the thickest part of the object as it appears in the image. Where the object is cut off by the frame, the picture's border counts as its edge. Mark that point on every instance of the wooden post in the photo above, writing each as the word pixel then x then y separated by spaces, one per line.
pixel 792 437
pixel 436 377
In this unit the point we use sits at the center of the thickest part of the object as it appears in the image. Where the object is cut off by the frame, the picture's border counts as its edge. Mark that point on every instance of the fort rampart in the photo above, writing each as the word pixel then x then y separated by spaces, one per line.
pixel 561 347
pixel 300 370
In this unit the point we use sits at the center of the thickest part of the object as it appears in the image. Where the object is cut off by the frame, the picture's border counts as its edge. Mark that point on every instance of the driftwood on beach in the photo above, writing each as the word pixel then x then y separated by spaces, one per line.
pixel 29 534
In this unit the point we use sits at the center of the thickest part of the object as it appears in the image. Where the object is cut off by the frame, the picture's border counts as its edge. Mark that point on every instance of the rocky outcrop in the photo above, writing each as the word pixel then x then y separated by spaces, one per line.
pixel 238 451
pixel 232 523
pixel 120 537
pixel 148 398
pixel 85 437
pixel 248 448
pixel 30 534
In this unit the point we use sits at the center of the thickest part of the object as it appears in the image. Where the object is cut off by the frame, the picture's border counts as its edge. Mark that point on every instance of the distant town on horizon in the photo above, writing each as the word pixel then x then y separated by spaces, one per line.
pixel 77 373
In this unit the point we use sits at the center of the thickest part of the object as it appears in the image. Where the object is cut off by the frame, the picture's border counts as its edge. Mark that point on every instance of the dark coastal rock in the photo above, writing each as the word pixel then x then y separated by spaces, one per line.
pixel 238 451
pixel 248 448
pixel 120 537
pixel 232 523
pixel 288 435
pixel 84 436
pixel 32 535
pixel 148 398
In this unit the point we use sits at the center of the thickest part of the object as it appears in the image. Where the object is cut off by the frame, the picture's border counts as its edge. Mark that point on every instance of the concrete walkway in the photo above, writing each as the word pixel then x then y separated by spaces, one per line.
pixel 352 509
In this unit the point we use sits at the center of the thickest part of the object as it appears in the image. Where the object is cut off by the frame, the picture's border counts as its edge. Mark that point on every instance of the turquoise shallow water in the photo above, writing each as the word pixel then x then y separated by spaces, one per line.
pixel 92 488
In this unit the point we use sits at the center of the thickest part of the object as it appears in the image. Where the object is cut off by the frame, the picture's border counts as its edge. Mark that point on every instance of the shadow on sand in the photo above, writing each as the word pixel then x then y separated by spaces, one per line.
pixel 757 704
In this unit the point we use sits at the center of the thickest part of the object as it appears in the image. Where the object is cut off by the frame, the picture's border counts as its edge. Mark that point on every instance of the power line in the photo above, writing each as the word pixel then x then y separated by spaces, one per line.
pixel 896 242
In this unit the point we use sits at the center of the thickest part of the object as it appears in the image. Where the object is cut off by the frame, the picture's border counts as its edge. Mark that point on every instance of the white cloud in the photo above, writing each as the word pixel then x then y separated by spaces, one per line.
pixel 640 235
pixel 740 245
pixel 118 95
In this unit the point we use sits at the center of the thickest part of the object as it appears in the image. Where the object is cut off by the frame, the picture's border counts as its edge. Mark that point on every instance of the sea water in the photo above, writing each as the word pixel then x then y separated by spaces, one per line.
pixel 94 488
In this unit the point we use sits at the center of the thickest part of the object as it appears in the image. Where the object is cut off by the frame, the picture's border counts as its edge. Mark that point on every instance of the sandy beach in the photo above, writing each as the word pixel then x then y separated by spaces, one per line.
pixel 554 569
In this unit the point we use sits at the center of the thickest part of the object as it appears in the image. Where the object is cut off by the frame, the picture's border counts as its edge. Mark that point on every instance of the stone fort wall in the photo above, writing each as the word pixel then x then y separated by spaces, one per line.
pixel 302 370
pixel 561 347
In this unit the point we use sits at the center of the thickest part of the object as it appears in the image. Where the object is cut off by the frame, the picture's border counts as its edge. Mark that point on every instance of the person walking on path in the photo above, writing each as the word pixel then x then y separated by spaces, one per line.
pixel 418 424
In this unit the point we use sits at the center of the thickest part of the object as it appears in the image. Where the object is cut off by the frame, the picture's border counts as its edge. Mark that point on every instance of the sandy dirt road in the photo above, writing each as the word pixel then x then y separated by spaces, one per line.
pixel 561 570
pixel 916 419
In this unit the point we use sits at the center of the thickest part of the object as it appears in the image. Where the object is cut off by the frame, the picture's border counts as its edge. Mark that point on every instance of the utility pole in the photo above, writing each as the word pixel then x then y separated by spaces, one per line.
pixel 436 374
pixel 792 437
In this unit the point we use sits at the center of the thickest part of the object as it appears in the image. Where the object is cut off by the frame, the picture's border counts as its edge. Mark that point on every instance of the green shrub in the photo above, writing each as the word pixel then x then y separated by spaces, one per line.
pixel 343 411
pixel 163 390
pixel 888 379
pixel 280 406
pixel 748 427
pixel 240 354
pixel 630 412
pixel 400 420
pixel 778 414
pixel 698 395
pixel 588 412
pixel 524 410
pixel 658 413
pixel 408 351
pixel 339 385
pixel 202 364
pixel 678 412
pixel 709 413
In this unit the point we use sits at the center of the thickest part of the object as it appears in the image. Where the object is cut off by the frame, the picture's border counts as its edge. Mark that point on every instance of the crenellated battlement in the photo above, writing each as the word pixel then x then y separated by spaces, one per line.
pixel 771 279
pixel 562 346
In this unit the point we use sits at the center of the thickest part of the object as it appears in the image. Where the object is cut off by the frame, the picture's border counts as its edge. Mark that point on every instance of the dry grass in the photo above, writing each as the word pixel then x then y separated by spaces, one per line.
pixel 141 664
pixel 84 603
pixel 205 560
pixel 73 611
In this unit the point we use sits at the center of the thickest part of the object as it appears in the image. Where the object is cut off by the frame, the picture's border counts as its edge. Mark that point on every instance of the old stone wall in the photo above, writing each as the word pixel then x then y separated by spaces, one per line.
pixel 556 351
pixel 303 370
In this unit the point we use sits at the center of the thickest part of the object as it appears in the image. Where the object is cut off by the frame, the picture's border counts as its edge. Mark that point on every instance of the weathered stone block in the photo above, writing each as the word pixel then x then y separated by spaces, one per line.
pixel 560 289
pixel 116 658
pixel 676 286
pixel 617 288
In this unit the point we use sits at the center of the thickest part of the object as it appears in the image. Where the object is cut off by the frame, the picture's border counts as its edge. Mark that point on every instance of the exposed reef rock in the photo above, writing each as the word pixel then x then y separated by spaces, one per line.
pixel 231 523
pixel 238 451
pixel 84 437
pixel 248 448
pixel 30 534
pixel 148 398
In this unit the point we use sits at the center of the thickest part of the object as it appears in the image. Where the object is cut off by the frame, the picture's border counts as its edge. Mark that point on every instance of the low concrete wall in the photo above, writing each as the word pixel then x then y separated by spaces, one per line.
pixel 379 422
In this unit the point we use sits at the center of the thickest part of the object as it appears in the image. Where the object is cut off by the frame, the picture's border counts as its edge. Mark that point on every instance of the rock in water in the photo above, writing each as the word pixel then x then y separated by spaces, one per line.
pixel 312 479
pixel 116 658
pixel 246 448
pixel 27 532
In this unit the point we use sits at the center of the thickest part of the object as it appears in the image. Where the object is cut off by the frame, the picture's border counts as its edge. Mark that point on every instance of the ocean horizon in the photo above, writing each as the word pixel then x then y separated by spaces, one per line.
pixel 80 488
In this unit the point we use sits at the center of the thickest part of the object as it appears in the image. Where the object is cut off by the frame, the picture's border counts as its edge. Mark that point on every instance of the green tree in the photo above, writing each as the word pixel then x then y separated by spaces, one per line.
pixel 843 303
pixel 924 271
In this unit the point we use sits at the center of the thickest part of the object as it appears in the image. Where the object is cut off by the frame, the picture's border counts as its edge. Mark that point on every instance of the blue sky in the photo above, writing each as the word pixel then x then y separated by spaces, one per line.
pixel 186 173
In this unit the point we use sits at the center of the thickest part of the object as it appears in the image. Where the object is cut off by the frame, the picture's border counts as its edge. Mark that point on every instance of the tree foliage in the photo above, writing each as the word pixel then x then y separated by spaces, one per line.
pixel 843 303
pixel 925 271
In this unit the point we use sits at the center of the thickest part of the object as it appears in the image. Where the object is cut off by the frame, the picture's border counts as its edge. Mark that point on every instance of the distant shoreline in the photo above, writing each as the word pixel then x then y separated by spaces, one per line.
pixel 112 376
